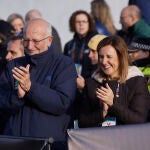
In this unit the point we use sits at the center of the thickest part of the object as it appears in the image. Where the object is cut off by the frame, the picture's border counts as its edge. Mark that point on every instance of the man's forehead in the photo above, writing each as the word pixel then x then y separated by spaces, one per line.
pixel 13 42
pixel 34 28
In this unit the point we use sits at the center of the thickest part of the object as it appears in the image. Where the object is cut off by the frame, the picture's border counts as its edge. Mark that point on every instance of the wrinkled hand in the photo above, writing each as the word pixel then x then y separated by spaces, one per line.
pixel 105 94
pixel 80 82
pixel 21 92
pixel 22 75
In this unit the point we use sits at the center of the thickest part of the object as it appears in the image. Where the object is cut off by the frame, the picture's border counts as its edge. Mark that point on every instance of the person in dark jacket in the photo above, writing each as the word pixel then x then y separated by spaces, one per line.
pixel 117 93
pixel 82 25
pixel 6 32
pixel 139 55
pixel 93 56
pixel 14 50
pixel 133 25
pixel 37 91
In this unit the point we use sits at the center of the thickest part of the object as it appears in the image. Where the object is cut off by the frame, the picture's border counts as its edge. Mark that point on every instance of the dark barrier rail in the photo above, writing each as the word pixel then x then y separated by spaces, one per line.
pixel 126 137
pixel 21 143
pixel 29 143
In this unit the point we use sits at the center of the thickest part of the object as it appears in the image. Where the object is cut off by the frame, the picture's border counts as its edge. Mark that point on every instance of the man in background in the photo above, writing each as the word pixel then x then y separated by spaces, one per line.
pixel 15 48
pixel 144 6
pixel 133 25
pixel 35 13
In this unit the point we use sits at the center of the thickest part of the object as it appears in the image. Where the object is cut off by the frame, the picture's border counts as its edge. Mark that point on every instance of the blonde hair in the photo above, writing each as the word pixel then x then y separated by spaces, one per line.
pixel 101 12
pixel 14 16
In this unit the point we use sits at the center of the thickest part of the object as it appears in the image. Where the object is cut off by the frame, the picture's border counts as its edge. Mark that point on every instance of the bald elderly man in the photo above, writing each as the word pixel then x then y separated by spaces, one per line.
pixel 37 91
pixel 56 45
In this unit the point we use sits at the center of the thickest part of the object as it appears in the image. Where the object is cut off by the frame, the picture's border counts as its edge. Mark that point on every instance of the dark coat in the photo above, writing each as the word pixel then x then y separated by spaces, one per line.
pixel 139 29
pixel 56 44
pixel 45 111
pixel 130 107
pixel 142 62
pixel 78 50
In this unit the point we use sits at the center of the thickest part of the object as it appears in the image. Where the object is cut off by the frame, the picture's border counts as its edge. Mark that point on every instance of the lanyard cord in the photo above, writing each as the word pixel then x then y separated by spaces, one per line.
pixel 117 91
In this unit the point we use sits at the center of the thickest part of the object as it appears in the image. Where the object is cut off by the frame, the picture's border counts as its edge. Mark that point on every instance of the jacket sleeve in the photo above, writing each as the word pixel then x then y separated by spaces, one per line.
pixel 66 49
pixel 135 108
pixel 9 101
pixel 58 98
pixel 87 116
pixel 90 109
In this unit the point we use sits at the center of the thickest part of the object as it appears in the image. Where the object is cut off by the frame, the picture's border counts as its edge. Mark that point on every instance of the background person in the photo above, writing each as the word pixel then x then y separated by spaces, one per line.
pixel 56 45
pixel 101 14
pixel 139 55
pixel 133 24
pixel 6 32
pixel 110 96
pixel 139 50
pixel 17 21
pixel 93 56
pixel 144 6
pixel 82 25
pixel 15 48
pixel 31 113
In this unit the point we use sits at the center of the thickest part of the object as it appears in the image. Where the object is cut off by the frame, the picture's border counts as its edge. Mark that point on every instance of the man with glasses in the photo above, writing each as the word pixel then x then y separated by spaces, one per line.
pixel 56 45
pixel 37 91
pixel 133 25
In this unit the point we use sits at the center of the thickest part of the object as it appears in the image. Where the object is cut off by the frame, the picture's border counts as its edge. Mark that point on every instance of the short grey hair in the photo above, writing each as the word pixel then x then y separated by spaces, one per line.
pixel 48 27
pixel 32 14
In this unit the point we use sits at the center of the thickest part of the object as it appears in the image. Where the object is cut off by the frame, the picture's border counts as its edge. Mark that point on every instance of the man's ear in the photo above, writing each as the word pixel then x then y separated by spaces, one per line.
pixel 133 19
pixel 50 39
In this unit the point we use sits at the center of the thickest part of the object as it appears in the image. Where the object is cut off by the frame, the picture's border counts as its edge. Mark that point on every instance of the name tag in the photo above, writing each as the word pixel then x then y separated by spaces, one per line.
pixel 109 122
pixel 78 68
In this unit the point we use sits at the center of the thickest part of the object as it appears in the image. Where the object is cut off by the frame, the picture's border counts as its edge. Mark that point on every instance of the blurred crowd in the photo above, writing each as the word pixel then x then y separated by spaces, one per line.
pixel 112 66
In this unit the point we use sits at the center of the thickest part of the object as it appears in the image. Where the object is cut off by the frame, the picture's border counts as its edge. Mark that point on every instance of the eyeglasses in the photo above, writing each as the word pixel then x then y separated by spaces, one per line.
pixel 123 17
pixel 35 42
pixel 82 21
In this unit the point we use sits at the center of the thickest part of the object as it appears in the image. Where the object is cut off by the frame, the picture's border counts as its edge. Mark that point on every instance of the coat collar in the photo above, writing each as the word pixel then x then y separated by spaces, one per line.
pixel 37 58
pixel 132 72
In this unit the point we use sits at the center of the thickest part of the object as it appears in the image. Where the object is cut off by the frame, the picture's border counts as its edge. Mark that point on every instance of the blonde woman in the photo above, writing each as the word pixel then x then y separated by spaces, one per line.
pixel 17 21
pixel 102 17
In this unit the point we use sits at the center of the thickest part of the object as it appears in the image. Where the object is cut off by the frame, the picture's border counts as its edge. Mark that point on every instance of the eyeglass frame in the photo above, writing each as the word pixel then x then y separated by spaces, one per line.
pixel 82 22
pixel 124 17
pixel 35 41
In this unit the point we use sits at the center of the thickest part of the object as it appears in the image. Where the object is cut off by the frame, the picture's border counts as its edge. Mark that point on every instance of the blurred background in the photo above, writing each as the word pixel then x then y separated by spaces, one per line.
pixel 57 12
